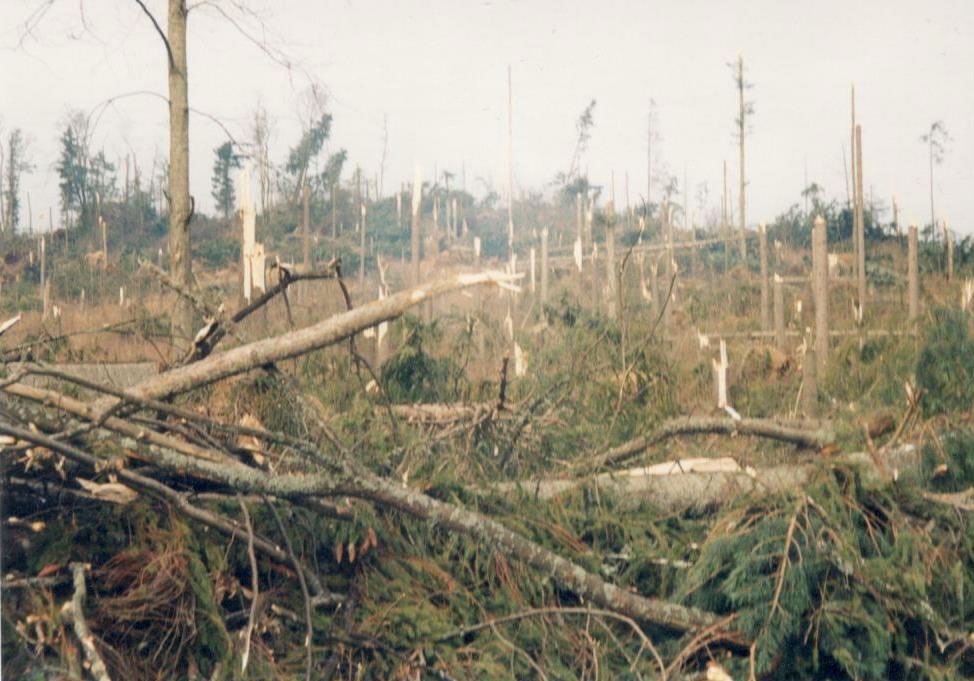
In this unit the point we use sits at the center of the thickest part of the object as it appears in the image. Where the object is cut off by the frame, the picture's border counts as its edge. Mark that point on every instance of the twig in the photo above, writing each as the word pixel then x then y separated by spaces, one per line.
pixel 962 501
pixel 536 612
pixel 309 627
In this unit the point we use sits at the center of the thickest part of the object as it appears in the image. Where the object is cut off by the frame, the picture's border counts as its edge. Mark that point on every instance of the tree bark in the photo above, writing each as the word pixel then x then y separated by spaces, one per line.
pixel 180 204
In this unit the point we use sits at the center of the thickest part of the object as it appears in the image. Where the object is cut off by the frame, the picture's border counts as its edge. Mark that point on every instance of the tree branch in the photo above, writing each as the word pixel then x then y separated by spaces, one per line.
pixel 814 437
pixel 74 609
pixel 162 35
pixel 353 481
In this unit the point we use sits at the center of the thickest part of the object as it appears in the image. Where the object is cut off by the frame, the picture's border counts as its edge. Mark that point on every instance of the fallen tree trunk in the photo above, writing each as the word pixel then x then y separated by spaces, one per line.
pixel 442 414
pixel 813 438
pixel 302 341
pixel 703 484
pixel 220 324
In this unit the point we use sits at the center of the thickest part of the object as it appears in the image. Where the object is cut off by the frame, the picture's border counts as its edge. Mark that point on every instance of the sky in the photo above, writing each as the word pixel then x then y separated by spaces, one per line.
pixel 435 74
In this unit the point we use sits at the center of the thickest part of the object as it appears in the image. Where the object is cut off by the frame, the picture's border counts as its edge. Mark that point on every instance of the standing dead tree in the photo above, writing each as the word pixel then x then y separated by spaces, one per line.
pixel 936 139
pixel 744 112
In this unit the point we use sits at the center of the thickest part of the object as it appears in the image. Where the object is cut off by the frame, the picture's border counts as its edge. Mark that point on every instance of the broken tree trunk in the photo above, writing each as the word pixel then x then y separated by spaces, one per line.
pixel 913 273
pixel 611 277
pixel 779 313
pixel 810 384
pixel 416 228
pixel 180 202
pixel 763 251
pixel 860 223
pixel 544 269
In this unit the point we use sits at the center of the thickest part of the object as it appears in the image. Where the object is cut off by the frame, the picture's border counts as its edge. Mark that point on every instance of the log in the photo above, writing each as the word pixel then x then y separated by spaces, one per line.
pixel 703 484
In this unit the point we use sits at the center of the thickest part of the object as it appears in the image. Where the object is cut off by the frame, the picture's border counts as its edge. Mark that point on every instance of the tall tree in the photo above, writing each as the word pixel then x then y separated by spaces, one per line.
pixel 222 182
pixel 83 177
pixel 72 168
pixel 936 140
pixel 180 201
pixel 16 165
pixel 744 112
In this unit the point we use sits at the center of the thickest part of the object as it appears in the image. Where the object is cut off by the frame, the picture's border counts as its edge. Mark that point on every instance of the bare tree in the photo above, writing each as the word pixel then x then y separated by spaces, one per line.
pixel 180 202
pixel 745 109
pixel 936 140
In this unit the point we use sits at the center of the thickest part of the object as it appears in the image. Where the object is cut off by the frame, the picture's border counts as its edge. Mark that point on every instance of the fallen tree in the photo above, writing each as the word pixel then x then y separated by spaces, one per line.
pixel 350 480
pixel 752 576
pixel 302 341
pixel 703 484
pixel 345 477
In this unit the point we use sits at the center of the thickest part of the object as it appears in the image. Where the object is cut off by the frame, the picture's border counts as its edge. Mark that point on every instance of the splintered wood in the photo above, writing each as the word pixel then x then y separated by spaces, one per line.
pixel 252 253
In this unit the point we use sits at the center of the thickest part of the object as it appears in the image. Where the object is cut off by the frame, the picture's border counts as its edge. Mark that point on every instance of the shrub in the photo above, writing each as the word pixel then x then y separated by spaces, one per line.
pixel 412 374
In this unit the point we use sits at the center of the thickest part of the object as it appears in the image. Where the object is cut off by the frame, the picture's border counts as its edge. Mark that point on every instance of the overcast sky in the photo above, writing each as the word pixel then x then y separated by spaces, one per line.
pixel 438 71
